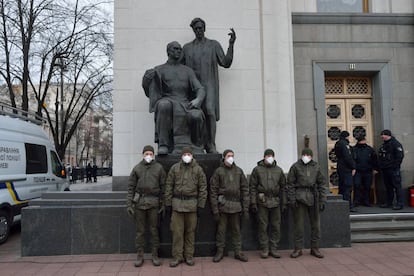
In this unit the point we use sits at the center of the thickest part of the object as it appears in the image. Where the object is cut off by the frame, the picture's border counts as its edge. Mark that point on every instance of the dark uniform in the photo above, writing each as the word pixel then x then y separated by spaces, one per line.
pixel 185 191
pixel 267 196
pixel 145 189
pixel 390 157
pixel 307 195
pixel 365 162
pixel 346 165
pixel 229 196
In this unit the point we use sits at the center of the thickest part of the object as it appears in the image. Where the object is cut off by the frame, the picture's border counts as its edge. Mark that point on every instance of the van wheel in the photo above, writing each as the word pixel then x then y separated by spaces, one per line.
pixel 4 226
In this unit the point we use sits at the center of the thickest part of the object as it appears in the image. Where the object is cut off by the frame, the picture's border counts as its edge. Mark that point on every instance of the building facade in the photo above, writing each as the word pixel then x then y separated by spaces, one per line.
pixel 303 70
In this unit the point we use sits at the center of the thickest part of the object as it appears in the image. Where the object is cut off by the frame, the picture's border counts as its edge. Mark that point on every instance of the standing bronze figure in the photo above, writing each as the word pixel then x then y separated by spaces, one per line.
pixel 204 55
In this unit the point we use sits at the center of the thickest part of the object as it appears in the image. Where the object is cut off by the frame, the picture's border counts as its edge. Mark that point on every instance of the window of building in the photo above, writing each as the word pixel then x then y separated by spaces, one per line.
pixel 357 6
pixel 36 159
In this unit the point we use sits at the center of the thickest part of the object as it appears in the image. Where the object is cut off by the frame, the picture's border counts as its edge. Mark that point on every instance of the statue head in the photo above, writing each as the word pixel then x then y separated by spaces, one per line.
pixel 199 27
pixel 174 50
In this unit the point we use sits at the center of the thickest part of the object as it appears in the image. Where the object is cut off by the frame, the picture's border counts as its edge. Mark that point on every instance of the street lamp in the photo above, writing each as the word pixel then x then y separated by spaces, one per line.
pixel 61 64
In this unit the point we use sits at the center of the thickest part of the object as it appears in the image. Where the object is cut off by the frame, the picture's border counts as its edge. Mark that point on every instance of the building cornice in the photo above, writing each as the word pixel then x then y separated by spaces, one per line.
pixel 352 18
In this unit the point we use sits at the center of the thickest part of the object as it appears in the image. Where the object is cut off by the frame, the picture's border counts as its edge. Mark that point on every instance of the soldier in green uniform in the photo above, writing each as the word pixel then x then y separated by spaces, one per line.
pixel 144 200
pixel 267 198
pixel 306 196
pixel 186 193
pixel 229 195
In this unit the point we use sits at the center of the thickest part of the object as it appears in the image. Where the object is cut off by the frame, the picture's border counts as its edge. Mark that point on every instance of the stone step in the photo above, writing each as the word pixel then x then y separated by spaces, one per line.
pixel 406 235
pixel 384 216
pixel 382 225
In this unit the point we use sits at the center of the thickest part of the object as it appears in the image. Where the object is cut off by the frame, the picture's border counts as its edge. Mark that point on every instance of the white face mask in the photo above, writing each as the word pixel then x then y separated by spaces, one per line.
pixel 306 159
pixel 230 160
pixel 187 159
pixel 148 158
pixel 270 160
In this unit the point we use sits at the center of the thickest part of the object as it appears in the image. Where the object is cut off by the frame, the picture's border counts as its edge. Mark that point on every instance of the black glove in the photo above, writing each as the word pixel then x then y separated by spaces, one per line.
pixel 245 215
pixel 253 208
pixel 199 209
pixel 216 217
pixel 321 207
pixel 131 211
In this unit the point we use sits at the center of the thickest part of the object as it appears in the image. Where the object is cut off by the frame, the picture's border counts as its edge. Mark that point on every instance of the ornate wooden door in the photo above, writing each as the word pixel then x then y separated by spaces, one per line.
pixel 348 107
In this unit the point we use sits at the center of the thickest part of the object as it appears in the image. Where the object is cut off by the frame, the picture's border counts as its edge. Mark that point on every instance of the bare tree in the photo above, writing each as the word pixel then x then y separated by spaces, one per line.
pixel 44 42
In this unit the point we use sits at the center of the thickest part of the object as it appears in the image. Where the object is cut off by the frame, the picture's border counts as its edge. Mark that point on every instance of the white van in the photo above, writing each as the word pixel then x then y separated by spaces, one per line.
pixel 29 166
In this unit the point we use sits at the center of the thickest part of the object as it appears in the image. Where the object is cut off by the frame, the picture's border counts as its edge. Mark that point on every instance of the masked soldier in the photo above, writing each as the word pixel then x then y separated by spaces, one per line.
pixel 229 195
pixel 390 157
pixel 267 197
pixel 186 192
pixel 144 199
pixel 306 196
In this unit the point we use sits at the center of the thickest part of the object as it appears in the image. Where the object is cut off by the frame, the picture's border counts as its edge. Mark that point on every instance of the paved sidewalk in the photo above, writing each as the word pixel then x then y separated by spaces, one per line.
pixel 360 259
pixel 393 258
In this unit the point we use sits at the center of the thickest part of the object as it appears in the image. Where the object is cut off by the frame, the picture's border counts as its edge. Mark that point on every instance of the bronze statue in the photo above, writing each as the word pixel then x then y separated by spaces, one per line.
pixel 204 55
pixel 175 97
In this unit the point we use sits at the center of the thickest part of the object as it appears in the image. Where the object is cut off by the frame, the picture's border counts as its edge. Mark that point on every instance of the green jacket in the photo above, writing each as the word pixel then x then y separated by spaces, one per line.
pixel 186 187
pixel 306 184
pixel 148 181
pixel 229 191
pixel 267 185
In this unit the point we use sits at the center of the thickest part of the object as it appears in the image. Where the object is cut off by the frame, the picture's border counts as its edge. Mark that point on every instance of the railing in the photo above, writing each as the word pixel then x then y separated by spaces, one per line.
pixel 8 110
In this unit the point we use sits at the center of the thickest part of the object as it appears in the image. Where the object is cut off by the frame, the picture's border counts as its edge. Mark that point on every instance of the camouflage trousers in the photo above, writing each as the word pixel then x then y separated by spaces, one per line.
pixel 183 226
pixel 266 232
pixel 145 218
pixel 233 222
pixel 299 214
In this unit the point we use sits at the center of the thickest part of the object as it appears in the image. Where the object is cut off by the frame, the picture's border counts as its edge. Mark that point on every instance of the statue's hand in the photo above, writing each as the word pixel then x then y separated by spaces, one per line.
pixel 232 35
pixel 196 103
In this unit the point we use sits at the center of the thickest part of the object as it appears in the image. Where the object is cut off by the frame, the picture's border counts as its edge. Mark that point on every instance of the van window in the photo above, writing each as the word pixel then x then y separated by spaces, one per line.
pixel 56 166
pixel 36 159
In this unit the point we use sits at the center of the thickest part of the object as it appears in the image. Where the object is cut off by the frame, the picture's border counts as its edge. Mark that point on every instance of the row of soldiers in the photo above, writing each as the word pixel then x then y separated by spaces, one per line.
pixel 182 194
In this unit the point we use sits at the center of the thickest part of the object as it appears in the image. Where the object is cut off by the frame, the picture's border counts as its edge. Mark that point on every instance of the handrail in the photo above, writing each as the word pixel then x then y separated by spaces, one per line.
pixel 8 110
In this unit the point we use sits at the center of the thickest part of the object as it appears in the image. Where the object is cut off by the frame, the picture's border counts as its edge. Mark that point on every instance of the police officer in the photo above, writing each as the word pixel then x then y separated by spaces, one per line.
pixel 267 198
pixel 346 167
pixel 186 192
pixel 391 155
pixel 365 163
pixel 144 199
pixel 229 196
pixel 307 196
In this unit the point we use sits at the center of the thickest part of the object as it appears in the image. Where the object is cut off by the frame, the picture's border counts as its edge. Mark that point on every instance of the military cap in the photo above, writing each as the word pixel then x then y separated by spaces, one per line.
pixel 344 134
pixel 386 132
pixel 148 148
pixel 226 152
pixel 269 152
pixel 307 151
pixel 187 150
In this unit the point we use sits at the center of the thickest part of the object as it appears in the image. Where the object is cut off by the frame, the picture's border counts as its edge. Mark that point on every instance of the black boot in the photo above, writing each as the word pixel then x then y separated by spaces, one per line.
pixel 219 255
pixel 140 258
